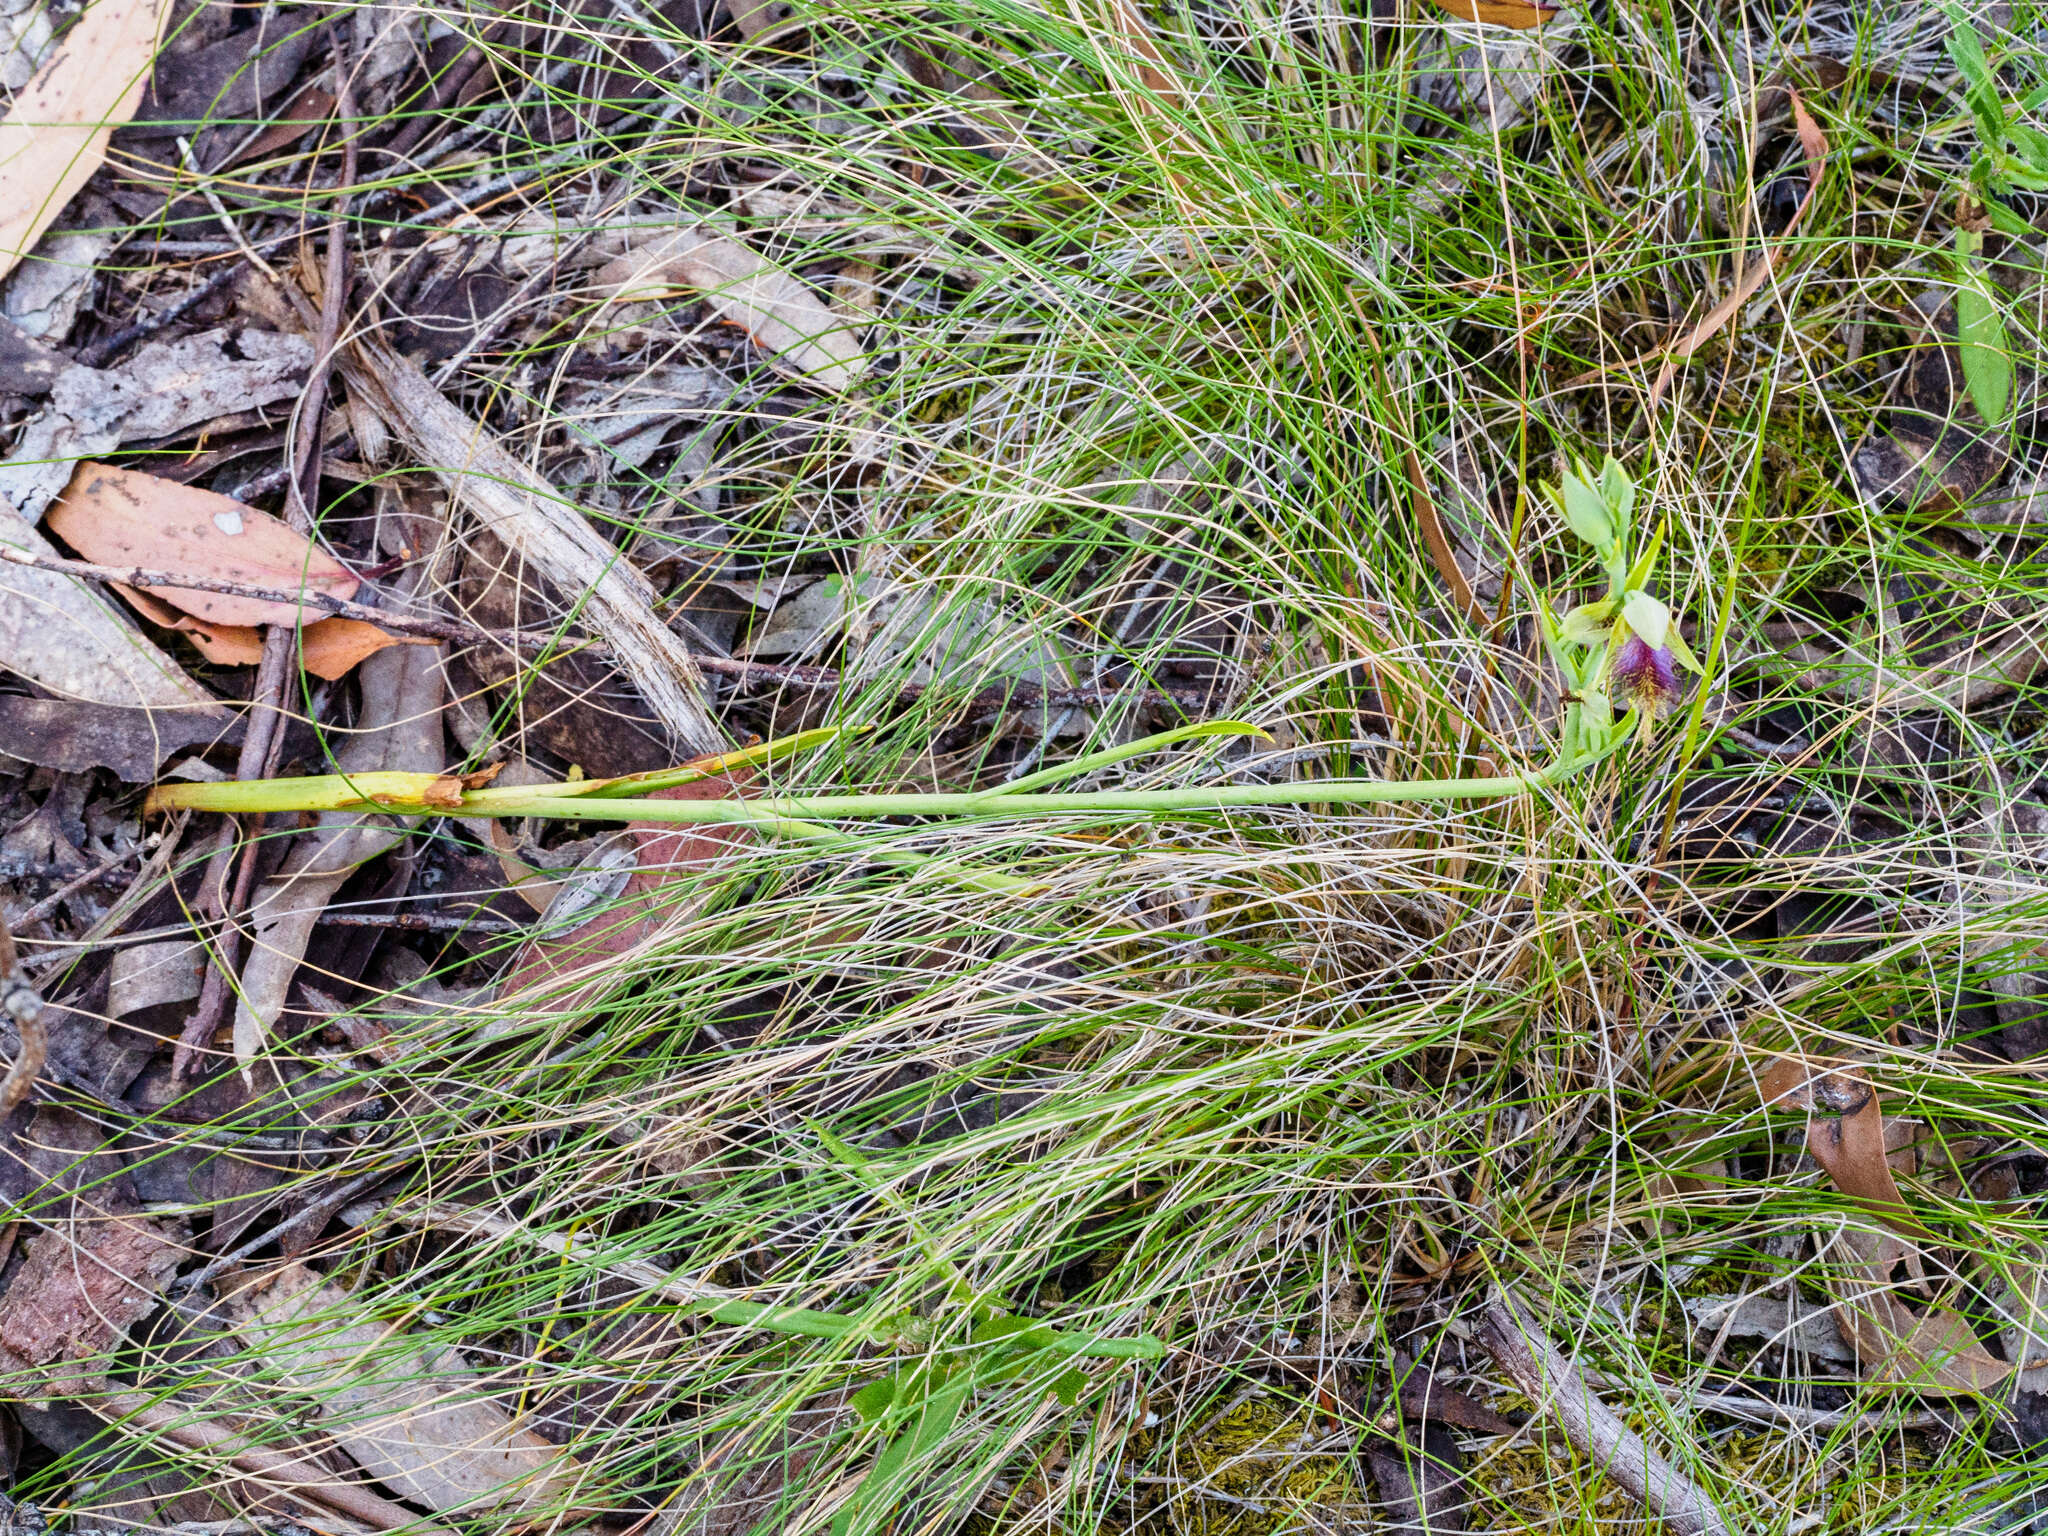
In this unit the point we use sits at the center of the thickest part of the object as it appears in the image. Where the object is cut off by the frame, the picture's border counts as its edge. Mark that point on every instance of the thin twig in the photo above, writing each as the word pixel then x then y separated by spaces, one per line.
pixel 1596 1432
pixel 304 457
pixel 220 212
pixel 421 922
pixel 103 351
pixel 94 876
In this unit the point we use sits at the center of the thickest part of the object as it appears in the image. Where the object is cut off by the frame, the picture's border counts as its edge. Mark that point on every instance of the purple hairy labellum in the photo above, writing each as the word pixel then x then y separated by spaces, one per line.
pixel 1645 676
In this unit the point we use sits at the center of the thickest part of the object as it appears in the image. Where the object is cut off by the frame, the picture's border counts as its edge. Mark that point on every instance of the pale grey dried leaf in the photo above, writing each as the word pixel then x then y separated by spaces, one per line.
pixel 44 293
pixel 64 634
pixel 414 1416
pixel 1785 1322
pixel 782 314
pixel 28 365
pixel 147 975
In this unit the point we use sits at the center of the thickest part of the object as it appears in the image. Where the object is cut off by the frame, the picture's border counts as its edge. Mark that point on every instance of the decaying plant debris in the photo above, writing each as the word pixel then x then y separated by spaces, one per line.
pixel 500 400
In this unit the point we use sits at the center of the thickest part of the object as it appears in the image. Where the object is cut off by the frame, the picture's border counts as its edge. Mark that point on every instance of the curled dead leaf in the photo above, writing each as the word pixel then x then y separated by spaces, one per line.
pixel 1931 1347
pixel 746 289
pixel 328 648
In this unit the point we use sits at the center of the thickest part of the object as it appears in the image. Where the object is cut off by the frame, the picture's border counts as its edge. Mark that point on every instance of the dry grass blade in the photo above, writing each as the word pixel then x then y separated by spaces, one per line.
pixel 1815 145
pixel 56 131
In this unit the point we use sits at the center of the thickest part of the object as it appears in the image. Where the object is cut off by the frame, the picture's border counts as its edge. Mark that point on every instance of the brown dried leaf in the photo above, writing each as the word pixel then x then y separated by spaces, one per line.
pixel 328 648
pixel 1421 1481
pixel 67 634
pixel 55 133
pixel 312 104
pixel 568 966
pixel 1422 1396
pixel 1934 1349
pixel 75 738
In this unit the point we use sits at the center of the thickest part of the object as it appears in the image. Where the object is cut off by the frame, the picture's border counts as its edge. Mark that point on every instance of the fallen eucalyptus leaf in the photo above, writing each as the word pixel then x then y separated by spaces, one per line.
pixel 123 517
pixel 76 738
pixel 415 1417
pixel 56 130
pixel 773 306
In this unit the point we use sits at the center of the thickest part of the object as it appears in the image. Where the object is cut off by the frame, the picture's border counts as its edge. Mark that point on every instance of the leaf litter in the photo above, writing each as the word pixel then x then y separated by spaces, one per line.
pixel 877 408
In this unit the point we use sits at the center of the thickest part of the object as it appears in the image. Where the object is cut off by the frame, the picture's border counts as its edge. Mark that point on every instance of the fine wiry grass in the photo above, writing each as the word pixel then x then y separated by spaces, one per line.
pixel 1289 1090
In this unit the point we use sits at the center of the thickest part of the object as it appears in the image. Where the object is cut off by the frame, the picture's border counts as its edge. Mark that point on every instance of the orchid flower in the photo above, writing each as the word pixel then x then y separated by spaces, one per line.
pixel 1625 649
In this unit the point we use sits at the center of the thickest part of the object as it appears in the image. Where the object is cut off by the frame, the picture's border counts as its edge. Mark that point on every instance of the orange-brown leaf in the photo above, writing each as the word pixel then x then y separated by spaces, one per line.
pixel 124 517
pixel 1519 14
pixel 329 648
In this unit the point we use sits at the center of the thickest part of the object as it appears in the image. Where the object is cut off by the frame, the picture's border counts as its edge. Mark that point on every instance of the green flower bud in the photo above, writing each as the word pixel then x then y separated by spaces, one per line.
pixel 1584 509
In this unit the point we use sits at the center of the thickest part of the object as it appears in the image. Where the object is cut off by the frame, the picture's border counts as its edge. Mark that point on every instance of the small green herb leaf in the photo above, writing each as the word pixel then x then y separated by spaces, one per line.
pixel 875 1399
pixel 1983 347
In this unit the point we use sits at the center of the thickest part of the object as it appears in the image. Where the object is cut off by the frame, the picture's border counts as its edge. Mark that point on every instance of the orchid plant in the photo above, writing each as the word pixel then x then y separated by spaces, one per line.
pixel 1625 649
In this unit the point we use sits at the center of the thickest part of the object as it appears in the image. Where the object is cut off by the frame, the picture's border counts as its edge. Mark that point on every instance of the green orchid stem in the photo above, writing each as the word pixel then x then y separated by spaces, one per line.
pixel 1125 802
pixel 777 814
